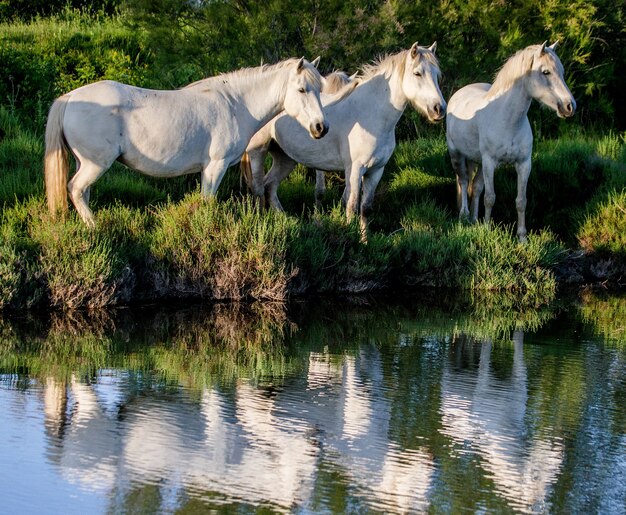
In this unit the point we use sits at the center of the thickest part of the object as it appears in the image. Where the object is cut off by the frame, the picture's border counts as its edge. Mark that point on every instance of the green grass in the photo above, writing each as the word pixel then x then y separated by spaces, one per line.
pixel 160 239
pixel 232 250
pixel 604 228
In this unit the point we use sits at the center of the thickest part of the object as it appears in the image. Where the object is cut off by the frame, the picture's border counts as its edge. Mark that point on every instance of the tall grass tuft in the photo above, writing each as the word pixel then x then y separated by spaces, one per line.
pixel 604 227
pixel 80 266
pixel 222 250
pixel 330 256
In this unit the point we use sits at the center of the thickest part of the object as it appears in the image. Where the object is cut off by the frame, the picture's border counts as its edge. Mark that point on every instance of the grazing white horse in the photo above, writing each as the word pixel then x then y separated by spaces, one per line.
pixel 203 127
pixel 361 138
pixel 487 125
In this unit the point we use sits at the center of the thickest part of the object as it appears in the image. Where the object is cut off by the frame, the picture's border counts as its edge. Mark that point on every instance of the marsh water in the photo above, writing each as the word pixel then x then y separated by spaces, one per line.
pixel 323 406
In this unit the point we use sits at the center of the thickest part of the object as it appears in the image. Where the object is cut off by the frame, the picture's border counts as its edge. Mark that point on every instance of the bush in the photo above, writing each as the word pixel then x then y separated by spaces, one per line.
pixel 604 227
pixel 222 250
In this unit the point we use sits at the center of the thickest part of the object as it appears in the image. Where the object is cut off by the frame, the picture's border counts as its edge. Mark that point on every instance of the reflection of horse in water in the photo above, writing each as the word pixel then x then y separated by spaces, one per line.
pixel 488 415
pixel 347 400
pixel 229 443
pixel 83 429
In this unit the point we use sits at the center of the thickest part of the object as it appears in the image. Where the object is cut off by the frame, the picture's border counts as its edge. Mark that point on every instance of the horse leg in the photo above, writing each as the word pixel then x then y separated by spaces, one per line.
pixel 320 188
pixel 370 182
pixel 345 195
pixel 459 164
pixel 212 176
pixel 79 187
pixel 282 166
pixel 256 159
pixel 488 169
pixel 478 186
pixel 523 172
pixel 353 187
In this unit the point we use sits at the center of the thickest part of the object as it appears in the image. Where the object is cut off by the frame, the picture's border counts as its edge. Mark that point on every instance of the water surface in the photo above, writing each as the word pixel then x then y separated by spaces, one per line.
pixel 324 407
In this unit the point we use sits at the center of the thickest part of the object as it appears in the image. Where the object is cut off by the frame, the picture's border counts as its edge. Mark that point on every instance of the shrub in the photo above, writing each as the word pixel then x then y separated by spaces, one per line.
pixel 222 250
pixel 604 227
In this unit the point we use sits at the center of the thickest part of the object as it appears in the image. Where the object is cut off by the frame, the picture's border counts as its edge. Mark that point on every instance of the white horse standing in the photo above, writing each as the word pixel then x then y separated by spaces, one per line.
pixel 488 125
pixel 361 138
pixel 204 127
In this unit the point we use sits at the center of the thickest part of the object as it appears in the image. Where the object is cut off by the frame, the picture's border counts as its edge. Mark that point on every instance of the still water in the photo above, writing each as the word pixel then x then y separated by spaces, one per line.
pixel 321 407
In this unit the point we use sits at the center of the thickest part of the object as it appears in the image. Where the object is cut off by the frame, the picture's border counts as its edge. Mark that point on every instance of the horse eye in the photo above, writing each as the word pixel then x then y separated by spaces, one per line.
pixel 546 72
pixel 301 90
pixel 417 74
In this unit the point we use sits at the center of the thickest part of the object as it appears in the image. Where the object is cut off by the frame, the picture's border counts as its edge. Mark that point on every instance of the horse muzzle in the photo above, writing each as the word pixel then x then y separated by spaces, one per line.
pixel 436 112
pixel 566 109
pixel 318 130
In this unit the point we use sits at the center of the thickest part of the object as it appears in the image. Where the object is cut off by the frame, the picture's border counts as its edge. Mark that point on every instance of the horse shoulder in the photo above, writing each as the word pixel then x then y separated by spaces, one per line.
pixel 468 100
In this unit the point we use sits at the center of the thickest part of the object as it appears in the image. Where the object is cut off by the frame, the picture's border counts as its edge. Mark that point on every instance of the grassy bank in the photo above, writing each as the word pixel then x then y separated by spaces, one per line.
pixel 160 239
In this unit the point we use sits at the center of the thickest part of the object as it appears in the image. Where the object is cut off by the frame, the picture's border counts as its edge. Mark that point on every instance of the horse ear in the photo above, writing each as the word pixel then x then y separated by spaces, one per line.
pixel 433 47
pixel 353 76
pixel 300 65
pixel 414 50
pixel 315 62
pixel 554 45
pixel 542 50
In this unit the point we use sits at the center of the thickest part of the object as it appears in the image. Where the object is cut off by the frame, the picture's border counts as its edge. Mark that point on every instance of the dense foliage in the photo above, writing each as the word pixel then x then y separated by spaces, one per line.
pixel 168 43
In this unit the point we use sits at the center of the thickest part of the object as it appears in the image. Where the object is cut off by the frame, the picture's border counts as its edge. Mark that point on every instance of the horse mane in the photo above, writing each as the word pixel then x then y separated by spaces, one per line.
pixel 337 86
pixel 386 64
pixel 335 81
pixel 311 74
pixel 516 67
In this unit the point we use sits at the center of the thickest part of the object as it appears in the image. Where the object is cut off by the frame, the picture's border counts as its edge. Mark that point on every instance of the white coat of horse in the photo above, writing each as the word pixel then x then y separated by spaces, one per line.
pixel 361 138
pixel 487 125
pixel 203 127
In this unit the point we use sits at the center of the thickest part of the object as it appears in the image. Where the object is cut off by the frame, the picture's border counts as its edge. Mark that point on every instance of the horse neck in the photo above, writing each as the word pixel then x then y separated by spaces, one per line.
pixel 513 103
pixel 263 94
pixel 390 101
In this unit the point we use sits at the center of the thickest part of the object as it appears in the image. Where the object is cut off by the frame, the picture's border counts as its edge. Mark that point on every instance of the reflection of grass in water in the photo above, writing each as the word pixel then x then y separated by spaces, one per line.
pixel 225 342
pixel 221 344
pixel 607 315
pixel 493 317
pixel 59 354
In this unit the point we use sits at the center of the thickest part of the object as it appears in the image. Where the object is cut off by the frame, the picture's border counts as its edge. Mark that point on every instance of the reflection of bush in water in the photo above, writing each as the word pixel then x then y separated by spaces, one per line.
pixel 606 314
pixel 436 313
pixel 198 346
pixel 493 317
pixel 194 345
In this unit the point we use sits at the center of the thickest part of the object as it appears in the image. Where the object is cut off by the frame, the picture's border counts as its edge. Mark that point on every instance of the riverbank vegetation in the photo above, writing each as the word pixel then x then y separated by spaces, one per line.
pixel 161 240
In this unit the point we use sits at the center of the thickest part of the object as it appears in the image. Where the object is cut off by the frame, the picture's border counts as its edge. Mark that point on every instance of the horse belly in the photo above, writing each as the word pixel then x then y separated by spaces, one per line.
pixel 296 142
pixel 462 137
pixel 177 147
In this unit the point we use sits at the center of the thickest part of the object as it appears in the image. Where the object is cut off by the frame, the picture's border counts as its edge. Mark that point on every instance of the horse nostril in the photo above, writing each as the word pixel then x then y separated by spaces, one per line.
pixel 318 127
pixel 569 107
pixel 438 109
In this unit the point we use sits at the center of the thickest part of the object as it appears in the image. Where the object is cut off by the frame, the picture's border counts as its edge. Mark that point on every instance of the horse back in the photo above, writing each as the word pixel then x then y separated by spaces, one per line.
pixel 467 100
pixel 148 129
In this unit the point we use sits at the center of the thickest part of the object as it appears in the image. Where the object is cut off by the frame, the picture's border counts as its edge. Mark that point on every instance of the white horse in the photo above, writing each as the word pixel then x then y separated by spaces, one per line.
pixel 333 84
pixel 203 127
pixel 361 138
pixel 488 125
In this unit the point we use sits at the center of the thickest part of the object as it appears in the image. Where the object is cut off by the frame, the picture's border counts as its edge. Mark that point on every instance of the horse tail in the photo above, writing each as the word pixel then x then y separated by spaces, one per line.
pixel 56 162
pixel 245 169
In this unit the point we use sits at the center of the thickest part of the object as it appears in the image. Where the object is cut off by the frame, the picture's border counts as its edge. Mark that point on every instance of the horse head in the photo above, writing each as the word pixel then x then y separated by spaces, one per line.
pixel 546 84
pixel 302 97
pixel 420 82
